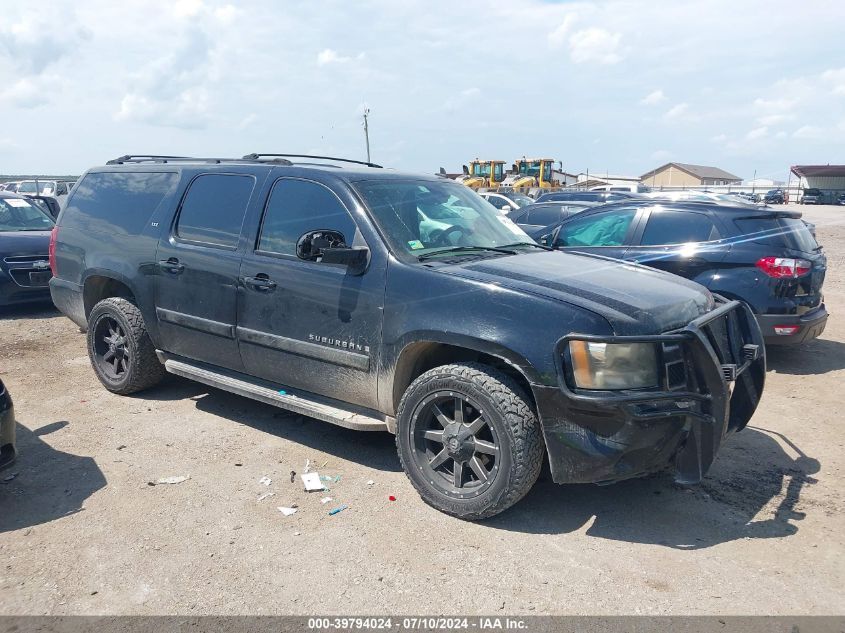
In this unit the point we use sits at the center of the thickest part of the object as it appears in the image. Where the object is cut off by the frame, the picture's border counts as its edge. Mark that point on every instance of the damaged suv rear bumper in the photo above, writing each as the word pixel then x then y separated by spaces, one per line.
pixel 608 436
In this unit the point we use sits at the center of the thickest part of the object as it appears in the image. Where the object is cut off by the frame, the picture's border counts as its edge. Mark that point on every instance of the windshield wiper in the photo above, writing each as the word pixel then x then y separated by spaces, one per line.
pixel 534 244
pixel 454 250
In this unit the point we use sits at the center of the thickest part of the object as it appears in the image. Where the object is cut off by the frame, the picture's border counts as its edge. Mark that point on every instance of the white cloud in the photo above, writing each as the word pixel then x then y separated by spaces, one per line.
pixel 808 132
pixel 186 8
pixel 836 78
pixel 719 138
pixel 595 45
pixel 677 111
pixel 329 56
pixel 227 13
pixel 757 133
pixel 653 98
pixel 774 119
pixel 776 105
pixel 35 41
pixel 26 93
pixel 248 120
pixel 558 37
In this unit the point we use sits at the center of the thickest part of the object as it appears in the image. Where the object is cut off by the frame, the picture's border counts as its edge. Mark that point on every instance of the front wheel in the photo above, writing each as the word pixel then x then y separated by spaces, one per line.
pixel 469 440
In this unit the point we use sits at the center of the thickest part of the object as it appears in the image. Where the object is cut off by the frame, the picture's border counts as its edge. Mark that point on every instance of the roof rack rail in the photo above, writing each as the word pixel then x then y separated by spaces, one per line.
pixel 257 156
pixel 154 158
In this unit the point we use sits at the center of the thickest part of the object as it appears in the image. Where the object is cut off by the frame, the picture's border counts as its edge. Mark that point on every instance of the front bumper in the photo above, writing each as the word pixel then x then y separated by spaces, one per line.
pixel 8 452
pixel 602 437
pixel 16 288
pixel 810 326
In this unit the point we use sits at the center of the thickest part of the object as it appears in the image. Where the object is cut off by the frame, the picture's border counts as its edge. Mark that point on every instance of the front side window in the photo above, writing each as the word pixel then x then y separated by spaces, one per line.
pixel 499 172
pixel 678 227
pixel 547 172
pixel 213 209
pixel 28 186
pixel 421 216
pixel 601 229
pixel 297 207
pixel 17 214
pixel 544 215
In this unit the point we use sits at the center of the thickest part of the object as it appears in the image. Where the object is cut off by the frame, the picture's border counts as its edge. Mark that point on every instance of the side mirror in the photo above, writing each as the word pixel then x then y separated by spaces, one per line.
pixel 329 247
pixel 554 238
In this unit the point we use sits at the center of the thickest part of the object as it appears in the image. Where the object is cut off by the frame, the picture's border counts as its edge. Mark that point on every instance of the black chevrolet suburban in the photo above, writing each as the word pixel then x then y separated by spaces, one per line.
pixel 383 301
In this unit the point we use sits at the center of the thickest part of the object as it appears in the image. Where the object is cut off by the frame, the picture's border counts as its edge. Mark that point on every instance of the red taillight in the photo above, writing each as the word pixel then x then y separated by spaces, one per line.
pixel 52 249
pixel 784 267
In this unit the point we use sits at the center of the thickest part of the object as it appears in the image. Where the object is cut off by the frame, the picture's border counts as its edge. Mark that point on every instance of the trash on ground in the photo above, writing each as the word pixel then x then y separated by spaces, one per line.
pixel 311 481
pixel 282 392
pixel 265 480
pixel 292 476
pixel 297 533
pixel 287 511
pixel 334 511
pixel 307 466
pixel 391 498
pixel 265 495
pixel 325 500
pixel 176 479
pixel 335 479
pixel 9 478
pixel 370 482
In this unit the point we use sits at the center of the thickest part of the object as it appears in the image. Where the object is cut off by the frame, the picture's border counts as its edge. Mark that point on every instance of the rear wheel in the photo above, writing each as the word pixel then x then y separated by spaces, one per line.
pixel 468 440
pixel 121 352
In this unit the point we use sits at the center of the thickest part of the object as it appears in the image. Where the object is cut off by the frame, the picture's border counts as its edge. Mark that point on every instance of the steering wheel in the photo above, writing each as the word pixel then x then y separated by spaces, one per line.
pixel 438 237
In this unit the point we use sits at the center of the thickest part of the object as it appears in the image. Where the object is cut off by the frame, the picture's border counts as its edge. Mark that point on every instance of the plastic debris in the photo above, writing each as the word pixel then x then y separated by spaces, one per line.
pixel 297 533
pixel 176 479
pixel 334 511
pixel 311 481
pixel 391 498
pixel 325 500
pixel 265 480
pixel 335 479
pixel 307 466
pixel 282 392
pixel 9 478
pixel 370 482
pixel 265 495
pixel 287 511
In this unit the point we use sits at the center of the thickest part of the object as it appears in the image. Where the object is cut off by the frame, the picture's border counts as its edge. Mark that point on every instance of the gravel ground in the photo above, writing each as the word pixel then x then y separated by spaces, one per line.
pixel 82 531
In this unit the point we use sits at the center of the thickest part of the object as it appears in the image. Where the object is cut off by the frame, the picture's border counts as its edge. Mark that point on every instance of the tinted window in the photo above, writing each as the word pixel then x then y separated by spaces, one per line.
pixel 296 207
pixel 116 202
pixel 678 227
pixel 778 231
pixel 214 208
pixel 544 215
pixel 17 214
pixel 601 229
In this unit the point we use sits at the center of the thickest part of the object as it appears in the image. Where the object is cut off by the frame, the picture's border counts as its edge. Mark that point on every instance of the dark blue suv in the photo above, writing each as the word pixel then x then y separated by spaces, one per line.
pixel 766 258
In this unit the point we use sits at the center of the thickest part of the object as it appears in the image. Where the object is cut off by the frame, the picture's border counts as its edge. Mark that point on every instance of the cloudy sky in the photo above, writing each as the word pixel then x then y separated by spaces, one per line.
pixel 607 86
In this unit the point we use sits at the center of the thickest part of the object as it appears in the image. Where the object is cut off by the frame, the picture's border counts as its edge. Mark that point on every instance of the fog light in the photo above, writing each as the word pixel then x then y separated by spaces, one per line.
pixel 786 330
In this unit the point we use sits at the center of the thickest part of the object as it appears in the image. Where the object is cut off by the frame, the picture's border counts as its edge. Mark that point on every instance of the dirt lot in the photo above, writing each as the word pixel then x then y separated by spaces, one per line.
pixel 83 532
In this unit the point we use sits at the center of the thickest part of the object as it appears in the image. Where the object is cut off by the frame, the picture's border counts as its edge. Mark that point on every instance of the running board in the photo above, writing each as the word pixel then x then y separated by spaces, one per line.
pixel 310 405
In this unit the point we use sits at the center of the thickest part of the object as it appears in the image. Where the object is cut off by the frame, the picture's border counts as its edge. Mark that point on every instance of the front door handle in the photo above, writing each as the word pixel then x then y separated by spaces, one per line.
pixel 260 282
pixel 172 266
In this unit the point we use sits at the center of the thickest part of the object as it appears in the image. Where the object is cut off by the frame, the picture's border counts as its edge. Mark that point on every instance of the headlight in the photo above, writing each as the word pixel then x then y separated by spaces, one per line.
pixel 613 365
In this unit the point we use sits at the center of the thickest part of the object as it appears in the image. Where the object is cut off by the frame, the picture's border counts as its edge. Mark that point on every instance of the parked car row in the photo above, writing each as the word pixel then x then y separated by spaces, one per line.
pixel 52 188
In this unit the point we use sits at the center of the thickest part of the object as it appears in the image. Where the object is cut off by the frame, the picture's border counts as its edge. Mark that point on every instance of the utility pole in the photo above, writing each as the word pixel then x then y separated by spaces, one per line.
pixel 367 133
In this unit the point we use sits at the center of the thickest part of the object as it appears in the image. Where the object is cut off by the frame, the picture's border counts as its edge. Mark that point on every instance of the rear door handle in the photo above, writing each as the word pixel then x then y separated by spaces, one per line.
pixel 260 282
pixel 171 265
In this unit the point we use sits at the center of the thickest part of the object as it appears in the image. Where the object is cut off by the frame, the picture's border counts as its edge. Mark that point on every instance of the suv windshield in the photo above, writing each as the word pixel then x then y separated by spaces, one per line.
pixel 27 186
pixel 17 214
pixel 417 217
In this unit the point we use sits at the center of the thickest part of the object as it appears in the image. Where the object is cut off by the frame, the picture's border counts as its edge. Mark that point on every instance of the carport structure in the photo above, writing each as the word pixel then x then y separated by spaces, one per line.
pixel 830 179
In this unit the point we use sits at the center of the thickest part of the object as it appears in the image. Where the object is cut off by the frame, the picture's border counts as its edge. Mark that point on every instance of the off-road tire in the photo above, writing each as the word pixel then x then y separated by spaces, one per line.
pixel 144 369
pixel 507 408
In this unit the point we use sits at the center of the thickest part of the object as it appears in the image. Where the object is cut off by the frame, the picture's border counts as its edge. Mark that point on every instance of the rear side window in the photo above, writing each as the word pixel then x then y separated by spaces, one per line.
pixel 297 207
pixel 214 208
pixel 778 231
pixel 117 202
pixel 678 227
pixel 544 215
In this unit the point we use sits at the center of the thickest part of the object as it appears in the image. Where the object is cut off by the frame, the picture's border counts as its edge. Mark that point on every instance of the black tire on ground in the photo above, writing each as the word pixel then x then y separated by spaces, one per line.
pixel 116 330
pixel 490 470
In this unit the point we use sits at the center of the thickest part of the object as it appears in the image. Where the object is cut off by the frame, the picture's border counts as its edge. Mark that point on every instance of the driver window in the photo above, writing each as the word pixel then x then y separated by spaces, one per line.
pixel 601 229
pixel 296 207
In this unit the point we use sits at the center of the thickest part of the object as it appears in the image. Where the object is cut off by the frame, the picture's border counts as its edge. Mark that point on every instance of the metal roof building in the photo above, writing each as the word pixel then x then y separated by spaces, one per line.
pixel 825 177
pixel 686 175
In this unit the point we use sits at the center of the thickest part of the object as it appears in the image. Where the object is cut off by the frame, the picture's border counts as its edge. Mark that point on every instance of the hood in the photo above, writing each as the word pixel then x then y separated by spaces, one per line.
pixel 14 243
pixel 634 299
